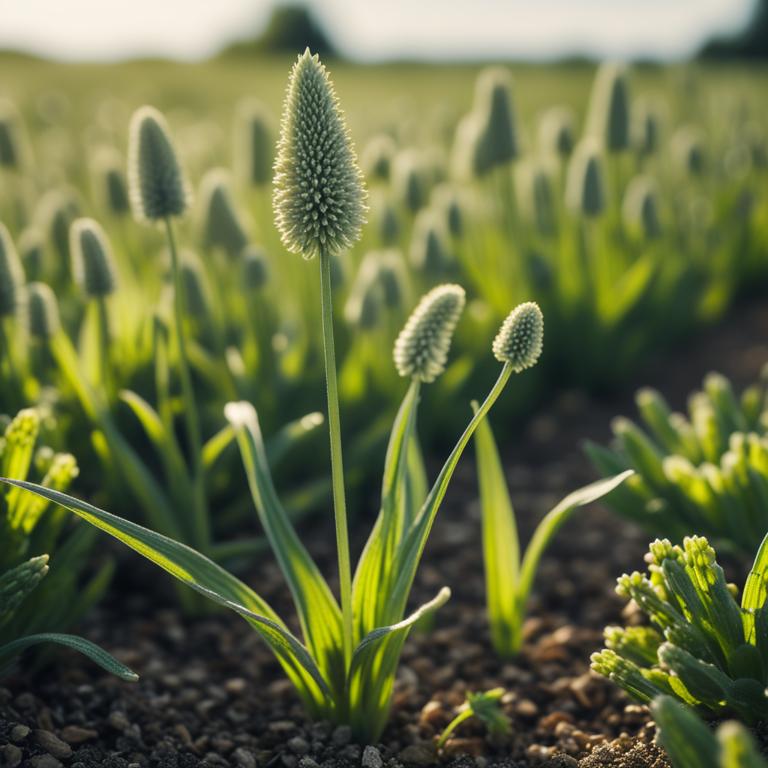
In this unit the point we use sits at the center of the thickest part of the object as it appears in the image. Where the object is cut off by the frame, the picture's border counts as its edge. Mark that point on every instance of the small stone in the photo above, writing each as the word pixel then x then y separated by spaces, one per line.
pixel 11 756
pixel 243 758
pixel 308 762
pixel 419 754
pixel 19 733
pixel 235 686
pixel 74 734
pixel 52 744
pixel 372 758
pixel 298 745
pixel 118 720
pixel 43 761
pixel 342 735
pixel 289 761
pixel 526 708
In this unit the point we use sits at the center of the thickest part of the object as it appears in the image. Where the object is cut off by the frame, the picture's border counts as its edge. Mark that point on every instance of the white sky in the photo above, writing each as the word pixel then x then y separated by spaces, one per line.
pixel 374 29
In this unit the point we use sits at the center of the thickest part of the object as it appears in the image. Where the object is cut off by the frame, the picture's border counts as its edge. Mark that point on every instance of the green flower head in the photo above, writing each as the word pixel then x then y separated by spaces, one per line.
pixel 93 266
pixel 319 194
pixel 520 338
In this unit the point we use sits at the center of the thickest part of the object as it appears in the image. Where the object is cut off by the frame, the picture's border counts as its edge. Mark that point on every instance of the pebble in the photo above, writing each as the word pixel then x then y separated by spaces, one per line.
pixel 526 708
pixel 244 758
pixel 419 754
pixel 308 762
pixel 342 735
pixel 19 733
pixel 11 755
pixel 298 745
pixel 372 758
pixel 44 761
pixel 52 744
pixel 74 734
pixel 118 720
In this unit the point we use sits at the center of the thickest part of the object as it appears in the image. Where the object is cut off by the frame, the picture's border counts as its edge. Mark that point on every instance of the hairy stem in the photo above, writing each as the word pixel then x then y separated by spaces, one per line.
pixel 337 467
pixel 191 414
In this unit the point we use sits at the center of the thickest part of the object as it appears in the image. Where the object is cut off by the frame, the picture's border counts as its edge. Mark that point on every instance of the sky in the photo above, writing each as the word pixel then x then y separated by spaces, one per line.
pixel 374 29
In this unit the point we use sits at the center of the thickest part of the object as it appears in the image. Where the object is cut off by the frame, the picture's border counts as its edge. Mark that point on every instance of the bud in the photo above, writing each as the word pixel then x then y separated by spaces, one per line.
pixel 688 151
pixel 585 191
pixel 556 132
pixel 93 267
pixel 377 157
pixel 520 338
pixel 32 252
pixel 608 119
pixel 640 209
pixel 536 196
pixel 157 186
pixel 409 180
pixel 493 105
pixel 319 195
pixel 195 286
pixel 11 275
pixel 42 312
pixel 429 252
pixel 253 143
pixel 255 269
pixel 111 183
pixel 421 349
pixel 220 222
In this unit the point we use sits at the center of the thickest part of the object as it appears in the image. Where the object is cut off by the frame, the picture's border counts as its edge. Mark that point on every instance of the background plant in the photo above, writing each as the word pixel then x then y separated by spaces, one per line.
pixel 33 613
pixel 703 647
pixel 486 707
pixel 706 470
pixel 689 741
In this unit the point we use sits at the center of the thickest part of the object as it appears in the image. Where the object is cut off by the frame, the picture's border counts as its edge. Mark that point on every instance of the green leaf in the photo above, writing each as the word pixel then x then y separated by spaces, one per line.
pixel 373 668
pixel 318 611
pixel 292 434
pixel 551 523
pixel 737 747
pixel 501 546
pixel 755 589
pixel 210 580
pixel 685 737
pixel 98 655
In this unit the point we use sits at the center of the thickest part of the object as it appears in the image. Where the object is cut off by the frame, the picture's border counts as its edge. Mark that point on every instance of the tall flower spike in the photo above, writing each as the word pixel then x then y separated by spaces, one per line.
pixel 93 266
pixel 609 108
pixel 220 221
pixel 319 195
pixel 421 349
pixel 43 311
pixel 157 185
pixel 520 339
pixel 585 192
pixel 11 274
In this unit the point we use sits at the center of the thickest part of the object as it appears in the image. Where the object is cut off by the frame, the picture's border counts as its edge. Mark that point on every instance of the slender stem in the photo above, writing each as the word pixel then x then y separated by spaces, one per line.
pixel 103 374
pixel 453 725
pixel 191 414
pixel 337 467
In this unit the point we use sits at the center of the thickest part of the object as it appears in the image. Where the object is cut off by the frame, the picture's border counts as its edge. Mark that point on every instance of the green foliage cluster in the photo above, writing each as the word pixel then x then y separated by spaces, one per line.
pixel 33 613
pixel 704 471
pixel 703 647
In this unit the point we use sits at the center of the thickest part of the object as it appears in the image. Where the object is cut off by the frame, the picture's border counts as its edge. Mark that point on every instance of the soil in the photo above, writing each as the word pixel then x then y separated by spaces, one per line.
pixel 210 693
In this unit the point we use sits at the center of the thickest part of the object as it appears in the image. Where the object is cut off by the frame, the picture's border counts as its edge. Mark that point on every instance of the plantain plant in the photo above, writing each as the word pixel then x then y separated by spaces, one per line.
pixel 703 647
pixel 704 471
pixel 690 743
pixel 344 668
pixel 32 613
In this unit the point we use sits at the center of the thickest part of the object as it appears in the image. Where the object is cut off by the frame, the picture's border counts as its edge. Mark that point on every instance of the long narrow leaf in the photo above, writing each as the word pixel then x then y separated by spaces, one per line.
pixel 318 611
pixel 209 579
pixel 755 590
pixel 86 647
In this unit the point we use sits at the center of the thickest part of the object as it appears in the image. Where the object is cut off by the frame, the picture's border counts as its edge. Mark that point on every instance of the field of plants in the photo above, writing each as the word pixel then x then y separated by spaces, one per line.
pixel 346 351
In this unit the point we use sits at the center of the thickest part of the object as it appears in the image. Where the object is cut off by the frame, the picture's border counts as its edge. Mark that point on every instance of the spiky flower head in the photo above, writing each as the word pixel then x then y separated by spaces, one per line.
pixel 93 266
pixel 57 210
pixel 157 185
pixel 585 192
pixel 253 143
pixel 536 196
pixel 111 182
pixel 446 199
pixel 389 224
pixel 42 311
pixel 608 119
pixel 495 110
pixel 429 250
pixel 409 180
pixel 640 208
pixel 377 157
pixel 421 349
pixel 255 269
pixel 220 222
pixel 556 134
pixel 391 275
pixel 32 252
pixel 520 338
pixel 18 582
pixel 11 275
pixel 195 286
pixel 319 194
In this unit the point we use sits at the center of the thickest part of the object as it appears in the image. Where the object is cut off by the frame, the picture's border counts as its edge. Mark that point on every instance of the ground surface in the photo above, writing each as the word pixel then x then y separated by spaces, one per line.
pixel 210 693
